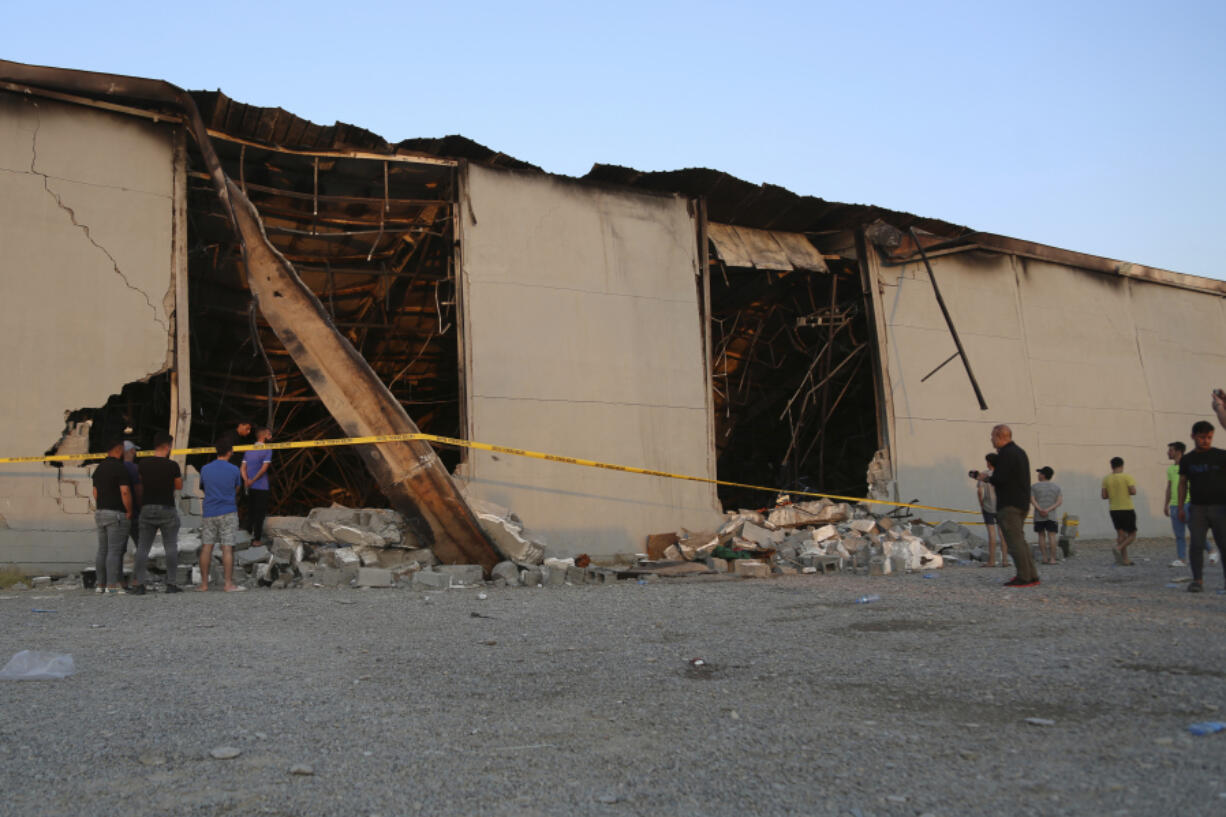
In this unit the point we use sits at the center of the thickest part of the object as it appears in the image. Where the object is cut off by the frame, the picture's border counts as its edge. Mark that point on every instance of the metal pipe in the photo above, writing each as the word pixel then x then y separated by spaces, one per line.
pixel 949 321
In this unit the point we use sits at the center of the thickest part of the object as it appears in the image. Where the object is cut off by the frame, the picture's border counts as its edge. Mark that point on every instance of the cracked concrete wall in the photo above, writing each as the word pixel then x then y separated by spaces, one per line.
pixel 86 206
pixel 582 336
pixel 1082 365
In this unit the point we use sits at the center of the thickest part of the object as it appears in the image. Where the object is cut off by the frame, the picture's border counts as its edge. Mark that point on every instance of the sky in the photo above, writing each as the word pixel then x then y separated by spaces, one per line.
pixel 1097 127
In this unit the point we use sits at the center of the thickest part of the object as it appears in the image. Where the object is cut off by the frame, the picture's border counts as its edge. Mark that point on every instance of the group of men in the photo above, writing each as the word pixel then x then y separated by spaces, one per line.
pixel 1195 497
pixel 140 497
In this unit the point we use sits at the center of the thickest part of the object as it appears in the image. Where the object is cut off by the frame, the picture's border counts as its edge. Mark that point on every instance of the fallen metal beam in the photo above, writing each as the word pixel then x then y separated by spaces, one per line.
pixel 410 475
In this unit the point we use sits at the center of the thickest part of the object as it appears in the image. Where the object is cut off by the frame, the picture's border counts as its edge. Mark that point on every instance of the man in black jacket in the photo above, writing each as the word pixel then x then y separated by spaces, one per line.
pixel 1011 479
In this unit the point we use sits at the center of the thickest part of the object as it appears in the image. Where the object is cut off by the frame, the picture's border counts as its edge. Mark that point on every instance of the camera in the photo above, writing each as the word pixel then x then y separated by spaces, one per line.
pixel 973 474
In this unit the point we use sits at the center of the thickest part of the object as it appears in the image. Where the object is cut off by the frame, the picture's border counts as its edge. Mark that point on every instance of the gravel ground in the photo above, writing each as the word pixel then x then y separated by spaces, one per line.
pixel 582 700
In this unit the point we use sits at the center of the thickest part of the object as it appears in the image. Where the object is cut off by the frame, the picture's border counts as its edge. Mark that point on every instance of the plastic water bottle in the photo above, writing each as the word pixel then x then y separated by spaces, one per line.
pixel 868 599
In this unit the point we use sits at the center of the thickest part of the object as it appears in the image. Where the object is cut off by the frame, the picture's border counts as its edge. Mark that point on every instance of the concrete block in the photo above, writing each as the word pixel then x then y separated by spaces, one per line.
pixel 396 558
pixel 530 576
pixel 335 577
pixel 368 554
pixel 716 563
pixel 374 577
pixel 463 575
pixel 752 568
pixel 862 525
pixel 430 580
pixel 554 576
pixel 576 575
pixel 508 572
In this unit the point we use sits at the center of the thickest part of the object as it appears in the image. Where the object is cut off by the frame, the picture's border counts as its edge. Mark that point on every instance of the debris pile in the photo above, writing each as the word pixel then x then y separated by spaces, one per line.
pixel 820 536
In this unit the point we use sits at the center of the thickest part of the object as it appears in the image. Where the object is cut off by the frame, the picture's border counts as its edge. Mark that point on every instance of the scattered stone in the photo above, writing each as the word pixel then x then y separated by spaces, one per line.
pixel 302 769
pixel 152 759
pixel 1040 722
pixel 505 573
pixel 226 752
pixel 752 568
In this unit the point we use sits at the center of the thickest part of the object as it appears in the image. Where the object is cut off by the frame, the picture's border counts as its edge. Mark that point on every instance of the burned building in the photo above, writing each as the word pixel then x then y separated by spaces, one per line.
pixel 686 322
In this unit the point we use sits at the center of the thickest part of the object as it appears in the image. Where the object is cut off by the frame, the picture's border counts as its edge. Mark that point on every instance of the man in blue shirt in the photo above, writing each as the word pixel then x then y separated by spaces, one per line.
pixel 255 477
pixel 221 482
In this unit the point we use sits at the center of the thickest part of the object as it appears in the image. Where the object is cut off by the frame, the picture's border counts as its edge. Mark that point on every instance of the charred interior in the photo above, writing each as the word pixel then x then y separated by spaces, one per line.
pixel 793 386
pixel 371 236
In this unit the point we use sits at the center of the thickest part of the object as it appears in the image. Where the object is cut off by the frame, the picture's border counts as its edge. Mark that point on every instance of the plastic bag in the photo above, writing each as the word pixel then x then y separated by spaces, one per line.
pixel 29 665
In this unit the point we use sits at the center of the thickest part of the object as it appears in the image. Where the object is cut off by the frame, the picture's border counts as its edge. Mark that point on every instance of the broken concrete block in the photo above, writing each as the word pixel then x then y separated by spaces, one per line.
pixel 853 543
pixel 396 558
pixel 355 537
pixel 758 534
pixel 530 576
pixel 862 525
pixel 463 575
pixel 576 575
pixel 40 581
pixel 673 553
pixel 506 572
pixel 885 522
pixel 251 556
pixel 374 577
pixel 430 580
pixel 369 555
pixel 509 540
pixel 752 568
pixel 718 564
pixel 825 532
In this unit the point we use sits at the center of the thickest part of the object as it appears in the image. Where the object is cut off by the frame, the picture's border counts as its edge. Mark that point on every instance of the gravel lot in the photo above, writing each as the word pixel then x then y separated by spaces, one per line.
pixel 582 700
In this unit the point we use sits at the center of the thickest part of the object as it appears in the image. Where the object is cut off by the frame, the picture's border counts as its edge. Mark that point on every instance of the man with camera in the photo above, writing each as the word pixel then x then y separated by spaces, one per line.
pixel 1011 479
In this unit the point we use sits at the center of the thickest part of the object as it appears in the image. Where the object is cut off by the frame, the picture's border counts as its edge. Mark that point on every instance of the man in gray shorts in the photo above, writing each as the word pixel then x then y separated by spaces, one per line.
pixel 221 481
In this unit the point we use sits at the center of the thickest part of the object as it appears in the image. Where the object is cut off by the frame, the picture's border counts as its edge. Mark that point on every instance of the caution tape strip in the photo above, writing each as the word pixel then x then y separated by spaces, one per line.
pixel 498 449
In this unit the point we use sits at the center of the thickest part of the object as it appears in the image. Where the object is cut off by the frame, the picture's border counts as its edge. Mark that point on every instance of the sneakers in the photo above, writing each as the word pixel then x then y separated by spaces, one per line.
pixel 134 590
pixel 1214 557
pixel 173 588
pixel 1179 563
pixel 1196 587
pixel 1019 582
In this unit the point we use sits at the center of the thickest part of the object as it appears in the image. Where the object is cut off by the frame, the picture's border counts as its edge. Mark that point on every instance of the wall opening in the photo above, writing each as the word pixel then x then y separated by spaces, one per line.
pixel 373 240
pixel 795 404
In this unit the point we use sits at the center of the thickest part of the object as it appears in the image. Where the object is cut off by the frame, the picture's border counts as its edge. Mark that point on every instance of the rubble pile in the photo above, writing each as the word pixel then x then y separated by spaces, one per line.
pixel 825 536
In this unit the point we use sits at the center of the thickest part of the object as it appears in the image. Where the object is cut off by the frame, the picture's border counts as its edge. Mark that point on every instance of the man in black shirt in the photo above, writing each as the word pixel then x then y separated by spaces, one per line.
pixel 1202 477
pixel 1011 479
pixel 161 477
pixel 113 516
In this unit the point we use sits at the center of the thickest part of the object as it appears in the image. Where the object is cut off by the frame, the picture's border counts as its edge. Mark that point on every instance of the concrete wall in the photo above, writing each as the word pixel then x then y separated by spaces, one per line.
pixel 582 336
pixel 86 202
pixel 1083 366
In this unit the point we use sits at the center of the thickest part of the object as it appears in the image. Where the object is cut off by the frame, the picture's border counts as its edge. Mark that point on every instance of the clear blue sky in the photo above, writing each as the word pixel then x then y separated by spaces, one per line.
pixel 1099 127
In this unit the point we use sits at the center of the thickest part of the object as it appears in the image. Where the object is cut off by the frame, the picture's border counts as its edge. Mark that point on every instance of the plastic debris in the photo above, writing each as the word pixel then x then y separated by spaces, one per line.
pixel 868 599
pixel 29 665
pixel 1207 727
pixel 226 752
pixel 1040 722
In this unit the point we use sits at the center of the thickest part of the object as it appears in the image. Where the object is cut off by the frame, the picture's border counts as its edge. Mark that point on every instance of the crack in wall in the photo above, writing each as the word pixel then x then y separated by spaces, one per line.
pixel 72 216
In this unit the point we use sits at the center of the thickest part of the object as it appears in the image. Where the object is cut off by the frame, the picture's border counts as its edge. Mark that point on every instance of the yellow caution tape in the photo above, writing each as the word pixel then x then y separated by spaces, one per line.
pixel 499 449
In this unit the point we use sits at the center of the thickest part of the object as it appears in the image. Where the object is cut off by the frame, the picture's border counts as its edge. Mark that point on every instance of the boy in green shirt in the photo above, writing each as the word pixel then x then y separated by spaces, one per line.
pixel 1119 489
